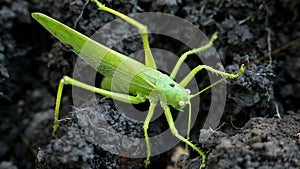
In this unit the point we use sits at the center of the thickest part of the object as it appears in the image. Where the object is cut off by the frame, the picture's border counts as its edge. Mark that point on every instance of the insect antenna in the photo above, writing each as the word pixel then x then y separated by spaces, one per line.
pixel 285 46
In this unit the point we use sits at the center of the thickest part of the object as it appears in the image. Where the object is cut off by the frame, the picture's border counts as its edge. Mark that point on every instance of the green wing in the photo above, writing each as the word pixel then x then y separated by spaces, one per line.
pixel 106 61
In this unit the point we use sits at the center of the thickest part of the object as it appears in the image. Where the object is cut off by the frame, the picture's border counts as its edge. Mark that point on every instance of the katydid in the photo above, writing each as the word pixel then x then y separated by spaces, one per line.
pixel 146 82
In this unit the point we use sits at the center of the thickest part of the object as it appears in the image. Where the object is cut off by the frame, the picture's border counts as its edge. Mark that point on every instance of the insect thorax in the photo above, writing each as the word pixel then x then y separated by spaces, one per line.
pixel 171 93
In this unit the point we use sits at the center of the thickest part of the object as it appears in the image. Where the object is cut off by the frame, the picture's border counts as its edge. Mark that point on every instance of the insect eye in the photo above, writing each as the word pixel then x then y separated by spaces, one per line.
pixel 172 84
pixel 188 91
pixel 181 103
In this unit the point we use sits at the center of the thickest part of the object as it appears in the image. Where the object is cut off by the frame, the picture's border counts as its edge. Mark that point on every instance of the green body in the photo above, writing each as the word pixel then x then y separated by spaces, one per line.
pixel 128 80
pixel 122 74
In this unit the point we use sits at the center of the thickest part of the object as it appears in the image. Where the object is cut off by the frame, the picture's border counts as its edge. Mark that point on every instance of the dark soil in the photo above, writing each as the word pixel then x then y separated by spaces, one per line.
pixel 261 124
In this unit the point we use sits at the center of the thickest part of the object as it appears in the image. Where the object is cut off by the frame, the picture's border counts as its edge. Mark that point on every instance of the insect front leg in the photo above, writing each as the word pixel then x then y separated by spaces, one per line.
pixel 189 77
pixel 69 81
pixel 146 126
pixel 194 51
pixel 175 133
pixel 143 30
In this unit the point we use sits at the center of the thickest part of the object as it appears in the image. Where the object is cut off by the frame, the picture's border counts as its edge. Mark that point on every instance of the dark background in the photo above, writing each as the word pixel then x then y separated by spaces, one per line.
pixel 32 63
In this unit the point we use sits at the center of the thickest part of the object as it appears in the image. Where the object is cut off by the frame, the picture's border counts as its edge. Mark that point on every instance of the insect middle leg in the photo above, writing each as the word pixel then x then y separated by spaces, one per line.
pixel 143 30
pixel 146 126
pixel 69 81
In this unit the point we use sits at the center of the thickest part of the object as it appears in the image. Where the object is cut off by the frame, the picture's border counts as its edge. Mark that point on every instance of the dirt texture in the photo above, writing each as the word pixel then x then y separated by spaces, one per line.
pixel 259 129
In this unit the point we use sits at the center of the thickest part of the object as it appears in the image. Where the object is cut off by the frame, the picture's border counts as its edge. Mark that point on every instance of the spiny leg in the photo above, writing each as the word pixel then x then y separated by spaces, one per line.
pixel 194 51
pixel 143 30
pixel 69 81
pixel 189 77
pixel 188 128
pixel 175 133
pixel 146 126
pixel 57 105
pixel 189 124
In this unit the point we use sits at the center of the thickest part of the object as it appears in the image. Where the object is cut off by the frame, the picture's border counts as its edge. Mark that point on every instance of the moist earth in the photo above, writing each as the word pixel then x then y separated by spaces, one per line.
pixel 261 121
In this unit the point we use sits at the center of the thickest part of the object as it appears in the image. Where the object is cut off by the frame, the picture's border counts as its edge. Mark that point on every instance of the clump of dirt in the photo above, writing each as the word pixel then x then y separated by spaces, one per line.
pixel 261 143
pixel 261 120
pixel 84 140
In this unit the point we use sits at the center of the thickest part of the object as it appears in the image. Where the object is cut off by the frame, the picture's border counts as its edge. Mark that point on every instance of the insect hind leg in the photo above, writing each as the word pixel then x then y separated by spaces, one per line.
pixel 143 30
pixel 69 81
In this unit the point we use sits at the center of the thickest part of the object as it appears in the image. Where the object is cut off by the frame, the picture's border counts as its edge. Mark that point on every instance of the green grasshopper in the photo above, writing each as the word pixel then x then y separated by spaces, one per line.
pixel 147 83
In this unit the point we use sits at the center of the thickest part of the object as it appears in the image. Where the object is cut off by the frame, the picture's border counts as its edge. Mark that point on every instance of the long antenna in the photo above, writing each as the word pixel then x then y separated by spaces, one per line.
pixel 285 46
